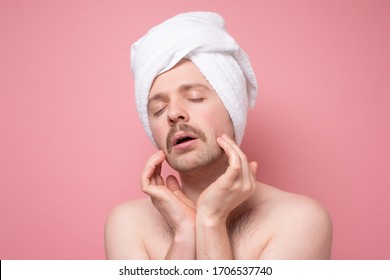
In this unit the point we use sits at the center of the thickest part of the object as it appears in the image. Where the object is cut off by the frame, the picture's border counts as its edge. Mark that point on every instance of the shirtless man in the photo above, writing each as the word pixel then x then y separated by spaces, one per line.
pixel 218 210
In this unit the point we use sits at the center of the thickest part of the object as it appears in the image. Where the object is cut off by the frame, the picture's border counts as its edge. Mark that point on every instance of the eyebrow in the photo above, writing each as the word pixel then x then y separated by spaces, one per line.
pixel 187 87
pixel 157 96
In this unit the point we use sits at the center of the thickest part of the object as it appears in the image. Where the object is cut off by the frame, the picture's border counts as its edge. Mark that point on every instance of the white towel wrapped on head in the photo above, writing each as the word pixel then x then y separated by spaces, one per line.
pixel 202 38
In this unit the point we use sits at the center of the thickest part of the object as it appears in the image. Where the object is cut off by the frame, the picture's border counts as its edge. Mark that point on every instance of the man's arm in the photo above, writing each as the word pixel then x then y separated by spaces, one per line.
pixel 219 200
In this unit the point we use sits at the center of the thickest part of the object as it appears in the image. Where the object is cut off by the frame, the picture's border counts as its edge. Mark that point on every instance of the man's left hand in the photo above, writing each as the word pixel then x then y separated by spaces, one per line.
pixel 231 188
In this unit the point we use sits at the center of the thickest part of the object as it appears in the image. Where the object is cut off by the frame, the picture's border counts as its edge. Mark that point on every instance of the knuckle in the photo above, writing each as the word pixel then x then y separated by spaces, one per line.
pixel 248 188
pixel 235 167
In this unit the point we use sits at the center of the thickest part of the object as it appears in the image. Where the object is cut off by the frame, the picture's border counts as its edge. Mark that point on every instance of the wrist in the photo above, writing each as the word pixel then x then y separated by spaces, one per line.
pixel 184 236
pixel 183 244
pixel 187 229
pixel 210 220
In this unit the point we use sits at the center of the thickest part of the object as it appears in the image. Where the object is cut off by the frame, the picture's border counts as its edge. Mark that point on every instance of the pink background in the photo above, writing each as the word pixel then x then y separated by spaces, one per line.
pixel 72 146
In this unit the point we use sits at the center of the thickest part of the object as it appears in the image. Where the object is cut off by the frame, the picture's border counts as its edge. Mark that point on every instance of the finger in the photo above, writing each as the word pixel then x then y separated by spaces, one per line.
pixel 157 173
pixel 247 180
pixel 156 164
pixel 157 154
pixel 234 168
pixel 243 157
pixel 153 163
pixel 172 183
pixel 147 178
pixel 253 167
pixel 155 160
pixel 174 186
pixel 158 179
pixel 235 146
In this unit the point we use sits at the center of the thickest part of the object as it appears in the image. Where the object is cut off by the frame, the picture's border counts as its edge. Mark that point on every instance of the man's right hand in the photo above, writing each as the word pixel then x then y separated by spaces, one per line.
pixel 170 201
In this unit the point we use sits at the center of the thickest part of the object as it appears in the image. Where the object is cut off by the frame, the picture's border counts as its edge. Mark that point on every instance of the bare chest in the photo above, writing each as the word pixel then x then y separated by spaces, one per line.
pixel 247 240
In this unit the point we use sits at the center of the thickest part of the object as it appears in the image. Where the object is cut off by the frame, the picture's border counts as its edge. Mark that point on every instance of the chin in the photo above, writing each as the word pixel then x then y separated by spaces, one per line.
pixel 194 162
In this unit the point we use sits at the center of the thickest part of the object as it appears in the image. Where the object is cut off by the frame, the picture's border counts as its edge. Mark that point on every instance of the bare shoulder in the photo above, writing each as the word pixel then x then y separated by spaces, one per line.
pixel 129 213
pixel 124 229
pixel 290 205
pixel 130 207
pixel 301 227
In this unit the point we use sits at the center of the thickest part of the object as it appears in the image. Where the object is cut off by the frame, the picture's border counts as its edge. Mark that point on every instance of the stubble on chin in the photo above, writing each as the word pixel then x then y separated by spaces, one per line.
pixel 196 159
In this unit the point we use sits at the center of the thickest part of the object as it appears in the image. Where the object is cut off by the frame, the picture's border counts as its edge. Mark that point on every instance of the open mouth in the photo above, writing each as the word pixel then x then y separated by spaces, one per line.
pixel 183 140
pixel 182 137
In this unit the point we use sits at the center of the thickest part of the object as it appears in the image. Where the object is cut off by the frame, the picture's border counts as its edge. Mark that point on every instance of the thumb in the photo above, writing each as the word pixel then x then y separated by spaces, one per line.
pixel 172 183
pixel 173 186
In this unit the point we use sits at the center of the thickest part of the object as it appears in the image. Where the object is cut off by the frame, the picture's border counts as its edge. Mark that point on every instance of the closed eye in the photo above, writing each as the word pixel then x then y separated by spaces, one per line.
pixel 196 99
pixel 159 112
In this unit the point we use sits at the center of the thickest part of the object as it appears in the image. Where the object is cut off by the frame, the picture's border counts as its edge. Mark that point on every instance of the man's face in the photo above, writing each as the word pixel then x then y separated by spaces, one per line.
pixel 186 116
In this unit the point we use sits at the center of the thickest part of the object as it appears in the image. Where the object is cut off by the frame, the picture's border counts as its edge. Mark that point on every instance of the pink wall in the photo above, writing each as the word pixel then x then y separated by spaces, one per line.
pixel 72 146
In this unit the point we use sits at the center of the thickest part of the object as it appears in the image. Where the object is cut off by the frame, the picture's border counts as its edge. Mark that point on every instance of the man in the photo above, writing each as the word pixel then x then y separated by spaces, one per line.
pixel 194 86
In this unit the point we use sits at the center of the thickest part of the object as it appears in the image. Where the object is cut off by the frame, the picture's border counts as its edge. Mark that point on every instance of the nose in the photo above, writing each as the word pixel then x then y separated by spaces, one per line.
pixel 177 113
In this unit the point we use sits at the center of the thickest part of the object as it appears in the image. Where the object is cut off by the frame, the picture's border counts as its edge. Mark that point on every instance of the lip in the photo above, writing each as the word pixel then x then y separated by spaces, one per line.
pixel 182 134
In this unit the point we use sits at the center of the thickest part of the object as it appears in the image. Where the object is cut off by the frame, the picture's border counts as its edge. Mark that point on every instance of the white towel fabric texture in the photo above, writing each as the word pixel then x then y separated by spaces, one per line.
pixel 202 38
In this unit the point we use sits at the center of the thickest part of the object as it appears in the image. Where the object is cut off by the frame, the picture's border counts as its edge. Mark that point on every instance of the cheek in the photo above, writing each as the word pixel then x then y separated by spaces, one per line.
pixel 159 133
pixel 226 127
pixel 216 124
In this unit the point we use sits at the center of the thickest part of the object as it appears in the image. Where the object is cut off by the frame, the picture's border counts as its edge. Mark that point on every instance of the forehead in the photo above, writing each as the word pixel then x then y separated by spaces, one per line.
pixel 184 75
